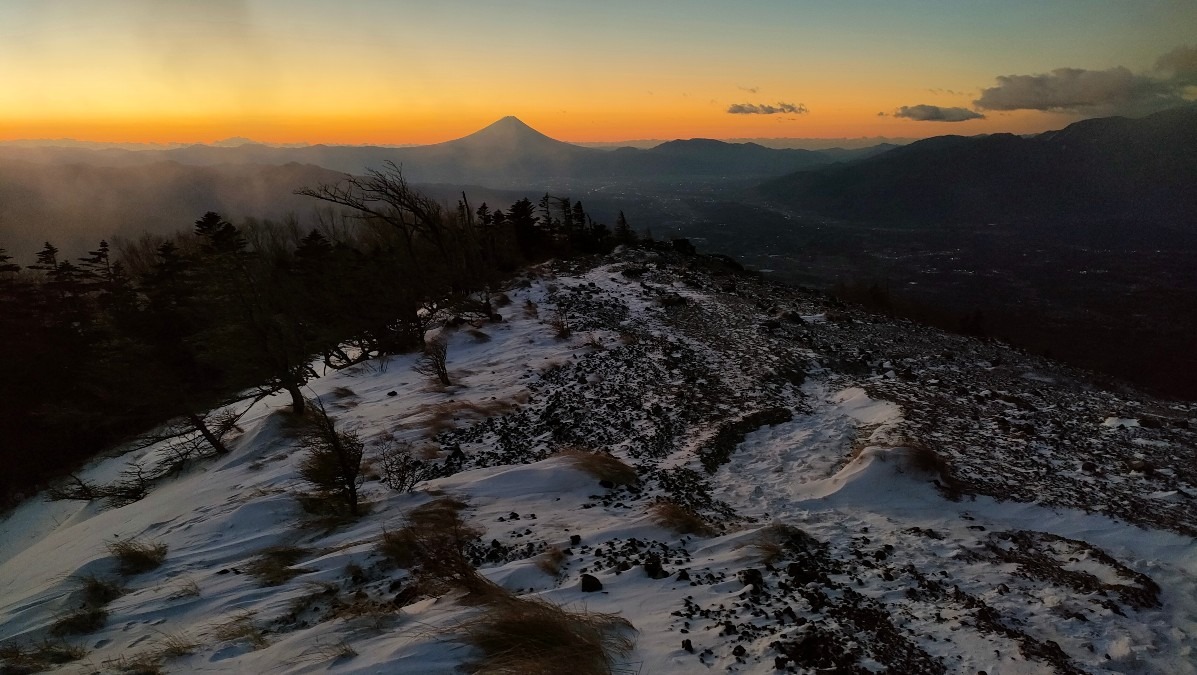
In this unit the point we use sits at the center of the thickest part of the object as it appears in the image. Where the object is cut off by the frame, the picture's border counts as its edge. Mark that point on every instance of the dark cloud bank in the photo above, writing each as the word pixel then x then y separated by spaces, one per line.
pixel 934 113
pixel 766 109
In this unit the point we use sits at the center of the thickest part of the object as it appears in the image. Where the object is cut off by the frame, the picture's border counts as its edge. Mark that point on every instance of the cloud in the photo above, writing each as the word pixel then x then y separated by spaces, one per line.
pixel 1180 64
pixel 765 109
pixel 750 90
pixel 1077 90
pixel 934 113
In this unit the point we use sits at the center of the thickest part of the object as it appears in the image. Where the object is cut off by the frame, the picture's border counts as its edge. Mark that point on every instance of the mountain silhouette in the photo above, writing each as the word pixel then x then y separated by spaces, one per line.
pixel 1105 170
pixel 507 153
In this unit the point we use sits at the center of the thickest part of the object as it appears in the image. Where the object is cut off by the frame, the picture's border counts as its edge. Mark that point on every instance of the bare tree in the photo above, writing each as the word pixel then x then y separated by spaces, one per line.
pixel 434 362
pixel 385 195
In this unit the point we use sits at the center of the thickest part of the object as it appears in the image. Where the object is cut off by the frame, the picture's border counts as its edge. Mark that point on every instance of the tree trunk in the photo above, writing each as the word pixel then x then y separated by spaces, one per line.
pixel 297 401
pixel 201 426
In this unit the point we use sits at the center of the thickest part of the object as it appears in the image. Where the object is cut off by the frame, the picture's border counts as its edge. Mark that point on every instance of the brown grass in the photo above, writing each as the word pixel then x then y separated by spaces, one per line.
pixel 37 658
pixel 433 542
pixel 79 621
pixel 551 560
pixel 446 415
pixel 98 592
pixel 560 325
pixel 136 556
pixel 770 543
pixel 594 342
pixel 274 566
pixel 186 589
pixel 530 309
pixel 174 645
pixel 240 628
pixel 680 519
pixel 146 663
pixel 533 637
pixel 600 465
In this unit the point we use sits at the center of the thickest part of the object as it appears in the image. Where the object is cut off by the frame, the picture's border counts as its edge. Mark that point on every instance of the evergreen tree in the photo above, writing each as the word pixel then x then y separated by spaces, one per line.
pixel 624 234
pixel 7 267
pixel 47 258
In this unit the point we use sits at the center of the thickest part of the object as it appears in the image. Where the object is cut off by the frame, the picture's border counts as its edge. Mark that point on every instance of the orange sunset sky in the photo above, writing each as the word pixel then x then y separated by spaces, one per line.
pixel 396 72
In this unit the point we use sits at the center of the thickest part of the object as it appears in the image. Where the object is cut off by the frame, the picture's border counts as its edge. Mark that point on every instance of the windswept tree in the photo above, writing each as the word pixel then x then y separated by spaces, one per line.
pixel 384 195
pixel 333 463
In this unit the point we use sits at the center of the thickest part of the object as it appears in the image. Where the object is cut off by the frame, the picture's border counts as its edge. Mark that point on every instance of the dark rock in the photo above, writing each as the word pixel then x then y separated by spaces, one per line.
pixel 739 651
pixel 392 393
pixel 1142 466
pixel 683 576
pixel 800 575
pixel 652 567
pixel 688 645
pixel 684 247
pixel 575 539
pixel 591 584
pixel 753 577
pixel 606 484
pixel 672 300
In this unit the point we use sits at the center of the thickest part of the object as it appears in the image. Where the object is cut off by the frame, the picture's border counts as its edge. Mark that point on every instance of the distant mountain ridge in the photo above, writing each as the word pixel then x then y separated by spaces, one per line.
pixel 507 153
pixel 1097 170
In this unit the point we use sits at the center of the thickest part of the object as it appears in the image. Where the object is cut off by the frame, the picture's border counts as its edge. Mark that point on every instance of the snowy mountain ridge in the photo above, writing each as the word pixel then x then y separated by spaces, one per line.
pixel 865 495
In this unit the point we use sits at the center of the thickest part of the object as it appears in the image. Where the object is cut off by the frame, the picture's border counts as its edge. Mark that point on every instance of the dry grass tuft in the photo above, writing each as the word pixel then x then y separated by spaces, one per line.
pixel 98 592
pixel 530 309
pixel 479 336
pixel 240 628
pixel 680 519
pixel 147 663
pixel 188 588
pixel 601 465
pixel 534 637
pixel 444 416
pixel 136 556
pixel 274 566
pixel 37 658
pixel 95 593
pixel 771 542
pixel 434 542
pixel 560 325
pixel 337 651
pixel 79 621
pixel 551 560
pixel 174 645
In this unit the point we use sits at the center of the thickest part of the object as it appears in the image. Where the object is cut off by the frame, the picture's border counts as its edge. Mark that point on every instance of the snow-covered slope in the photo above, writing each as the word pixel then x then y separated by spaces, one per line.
pixel 878 496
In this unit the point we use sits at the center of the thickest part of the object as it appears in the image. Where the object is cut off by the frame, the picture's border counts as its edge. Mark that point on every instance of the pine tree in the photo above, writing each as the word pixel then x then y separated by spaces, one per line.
pixel 7 267
pixel 47 258
pixel 624 234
